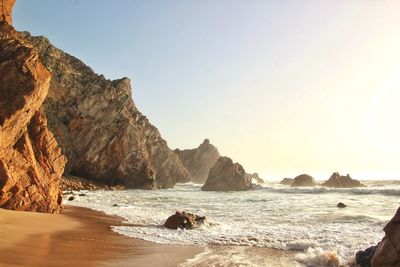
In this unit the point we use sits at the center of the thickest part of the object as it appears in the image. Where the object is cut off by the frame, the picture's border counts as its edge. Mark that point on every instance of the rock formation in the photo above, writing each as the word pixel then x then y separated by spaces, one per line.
pixel 104 136
pixel 255 177
pixel 31 162
pixel 387 253
pixel 198 161
pixel 338 181
pixel 183 220
pixel 227 176
pixel 303 180
pixel 286 181
pixel 6 10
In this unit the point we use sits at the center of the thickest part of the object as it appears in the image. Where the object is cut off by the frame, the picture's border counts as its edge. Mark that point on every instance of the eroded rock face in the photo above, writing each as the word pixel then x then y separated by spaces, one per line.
pixel 338 181
pixel 199 161
pixel 303 181
pixel 255 177
pixel 227 176
pixel 31 162
pixel 387 252
pixel 105 137
pixel 6 10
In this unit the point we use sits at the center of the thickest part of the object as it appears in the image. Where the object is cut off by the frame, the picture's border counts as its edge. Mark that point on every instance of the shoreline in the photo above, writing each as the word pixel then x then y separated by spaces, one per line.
pixel 79 237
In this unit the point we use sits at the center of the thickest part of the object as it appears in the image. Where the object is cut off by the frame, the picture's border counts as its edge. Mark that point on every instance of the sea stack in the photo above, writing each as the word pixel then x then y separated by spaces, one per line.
pixel 227 176
pixel 303 180
pixel 199 161
pixel 31 162
pixel 338 181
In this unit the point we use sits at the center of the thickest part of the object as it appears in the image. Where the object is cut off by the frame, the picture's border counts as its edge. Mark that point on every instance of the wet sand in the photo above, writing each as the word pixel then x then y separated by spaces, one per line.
pixel 79 237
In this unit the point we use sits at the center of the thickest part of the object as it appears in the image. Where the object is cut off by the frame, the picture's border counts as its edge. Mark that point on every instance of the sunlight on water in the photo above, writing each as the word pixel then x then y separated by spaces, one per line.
pixel 305 220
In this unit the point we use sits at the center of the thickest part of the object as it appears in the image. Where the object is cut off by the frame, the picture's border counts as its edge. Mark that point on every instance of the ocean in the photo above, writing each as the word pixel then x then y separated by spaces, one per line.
pixel 303 221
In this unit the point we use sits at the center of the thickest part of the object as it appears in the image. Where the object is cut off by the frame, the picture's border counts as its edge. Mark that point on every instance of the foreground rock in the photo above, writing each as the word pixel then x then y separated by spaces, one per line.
pixel 227 176
pixel 255 177
pixel 387 252
pixel 31 162
pixel 199 161
pixel 105 137
pixel 303 181
pixel 183 220
pixel 287 181
pixel 338 181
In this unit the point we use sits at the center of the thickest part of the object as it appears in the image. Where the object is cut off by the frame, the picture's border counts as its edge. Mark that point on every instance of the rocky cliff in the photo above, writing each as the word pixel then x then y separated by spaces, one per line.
pixel 6 10
pixel 199 161
pixel 105 137
pixel 31 162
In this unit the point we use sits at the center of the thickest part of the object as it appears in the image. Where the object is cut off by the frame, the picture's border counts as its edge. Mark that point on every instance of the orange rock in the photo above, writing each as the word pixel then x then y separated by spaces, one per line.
pixel 31 162
pixel 6 10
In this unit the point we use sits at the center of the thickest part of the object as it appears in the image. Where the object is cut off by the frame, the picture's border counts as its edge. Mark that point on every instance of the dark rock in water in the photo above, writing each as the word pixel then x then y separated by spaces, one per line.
pixel 227 176
pixel 341 205
pixel 82 195
pixel 287 181
pixel 115 205
pixel 199 161
pixel 183 220
pixel 303 180
pixel 364 257
pixel 71 198
pixel 338 181
pixel 255 177
pixel 387 252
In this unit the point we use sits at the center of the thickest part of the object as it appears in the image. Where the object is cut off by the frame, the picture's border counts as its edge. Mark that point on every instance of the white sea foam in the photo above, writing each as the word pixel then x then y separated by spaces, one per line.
pixel 302 219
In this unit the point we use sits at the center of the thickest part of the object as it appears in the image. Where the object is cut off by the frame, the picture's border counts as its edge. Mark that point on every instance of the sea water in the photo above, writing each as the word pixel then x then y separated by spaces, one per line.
pixel 304 220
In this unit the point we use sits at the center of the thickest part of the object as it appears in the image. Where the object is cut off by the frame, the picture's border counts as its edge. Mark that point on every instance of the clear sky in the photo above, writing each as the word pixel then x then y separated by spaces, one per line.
pixel 283 87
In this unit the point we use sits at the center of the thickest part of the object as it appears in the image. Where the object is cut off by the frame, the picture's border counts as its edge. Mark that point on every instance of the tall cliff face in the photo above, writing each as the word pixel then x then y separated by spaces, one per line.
pixel 31 162
pixel 105 137
pixel 6 10
pixel 199 161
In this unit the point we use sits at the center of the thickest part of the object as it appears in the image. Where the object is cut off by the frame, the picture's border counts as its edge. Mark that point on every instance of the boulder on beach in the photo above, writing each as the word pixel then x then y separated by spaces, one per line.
pixel 303 181
pixel 183 220
pixel 338 181
pixel 287 181
pixel 227 176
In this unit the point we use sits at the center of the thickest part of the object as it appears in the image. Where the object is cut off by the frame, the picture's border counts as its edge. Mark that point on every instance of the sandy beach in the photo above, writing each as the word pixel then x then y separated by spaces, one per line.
pixel 78 237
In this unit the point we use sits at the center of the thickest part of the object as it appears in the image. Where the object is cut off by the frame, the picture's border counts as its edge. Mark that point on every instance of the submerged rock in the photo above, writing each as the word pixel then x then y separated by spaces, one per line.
pixel 387 252
pixel 31 162
pixel 183 220
pixel 303 181
pixel 199 161
pixel 227 176
pixel 338 181
pixel 341 205
pixel 105 137
pixel 287 181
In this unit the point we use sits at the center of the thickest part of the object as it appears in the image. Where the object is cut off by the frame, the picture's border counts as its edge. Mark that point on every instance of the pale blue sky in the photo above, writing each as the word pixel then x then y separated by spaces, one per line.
pixel 283 87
